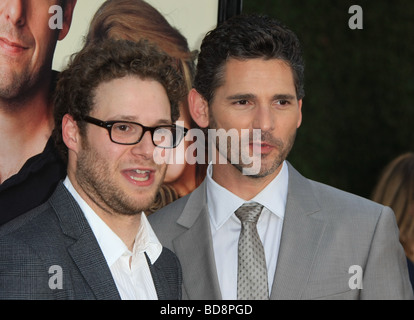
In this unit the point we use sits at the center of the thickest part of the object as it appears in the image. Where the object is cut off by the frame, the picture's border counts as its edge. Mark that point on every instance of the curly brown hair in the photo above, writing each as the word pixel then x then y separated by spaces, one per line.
pixel 111 59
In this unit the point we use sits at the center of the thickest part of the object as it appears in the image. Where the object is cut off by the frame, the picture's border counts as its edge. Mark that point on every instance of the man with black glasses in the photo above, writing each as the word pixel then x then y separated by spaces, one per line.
pixel 116 105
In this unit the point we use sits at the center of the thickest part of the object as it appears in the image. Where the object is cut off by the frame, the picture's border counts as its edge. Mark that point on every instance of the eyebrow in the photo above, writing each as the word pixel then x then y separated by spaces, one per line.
pixel 134 119
pixel 162 121
pixel 247 96
pixel 250 96
pixel 284 97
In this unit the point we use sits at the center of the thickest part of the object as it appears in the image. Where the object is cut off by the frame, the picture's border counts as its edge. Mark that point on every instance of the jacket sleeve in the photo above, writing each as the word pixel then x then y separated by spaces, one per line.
pixel 386 273
pixel 23 276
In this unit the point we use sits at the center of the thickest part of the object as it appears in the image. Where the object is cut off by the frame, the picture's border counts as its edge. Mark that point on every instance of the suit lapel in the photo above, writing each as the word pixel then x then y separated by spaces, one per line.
pixel 300 239
pixel 85 250
pixel 161 272
pixel 299 243
pixel 88 256
pixel 195 250
pixel 157 279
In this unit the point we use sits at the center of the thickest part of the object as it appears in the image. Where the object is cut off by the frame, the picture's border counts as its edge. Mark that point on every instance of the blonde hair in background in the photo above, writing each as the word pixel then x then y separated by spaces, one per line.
pixel 192 18
pixel 395 188
pixel 135 20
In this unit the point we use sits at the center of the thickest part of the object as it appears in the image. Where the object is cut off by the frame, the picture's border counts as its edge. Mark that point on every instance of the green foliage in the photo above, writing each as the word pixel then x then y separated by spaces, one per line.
pixel 358 111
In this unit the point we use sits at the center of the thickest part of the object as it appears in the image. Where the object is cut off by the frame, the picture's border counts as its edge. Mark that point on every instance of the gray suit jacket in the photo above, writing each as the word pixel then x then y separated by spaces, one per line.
pixel 58 234
pixel 325 232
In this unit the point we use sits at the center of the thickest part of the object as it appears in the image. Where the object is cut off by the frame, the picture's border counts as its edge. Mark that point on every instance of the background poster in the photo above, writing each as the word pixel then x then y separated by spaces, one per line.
pixel 192 18
pixel 359 82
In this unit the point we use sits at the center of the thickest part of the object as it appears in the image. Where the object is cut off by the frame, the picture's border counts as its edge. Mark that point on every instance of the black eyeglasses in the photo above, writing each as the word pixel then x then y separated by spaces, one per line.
pixel 126 132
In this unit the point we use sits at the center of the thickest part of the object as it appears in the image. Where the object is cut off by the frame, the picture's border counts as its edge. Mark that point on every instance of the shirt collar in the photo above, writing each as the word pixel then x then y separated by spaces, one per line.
pixel 147 241
pixel 222 203
pixel 111 245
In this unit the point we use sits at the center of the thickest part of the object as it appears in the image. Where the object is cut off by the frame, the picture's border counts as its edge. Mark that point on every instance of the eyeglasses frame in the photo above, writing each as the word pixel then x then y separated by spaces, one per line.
pixel 109 124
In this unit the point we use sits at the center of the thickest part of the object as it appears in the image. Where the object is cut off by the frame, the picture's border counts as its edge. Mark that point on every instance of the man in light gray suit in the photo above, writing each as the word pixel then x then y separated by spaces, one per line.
pixel 115 108
pixel 315 242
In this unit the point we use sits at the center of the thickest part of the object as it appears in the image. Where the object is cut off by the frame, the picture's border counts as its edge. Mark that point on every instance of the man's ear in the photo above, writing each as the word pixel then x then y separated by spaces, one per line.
pixel 67 18
pixel 70 133
pixel 198 107
pixel 300 113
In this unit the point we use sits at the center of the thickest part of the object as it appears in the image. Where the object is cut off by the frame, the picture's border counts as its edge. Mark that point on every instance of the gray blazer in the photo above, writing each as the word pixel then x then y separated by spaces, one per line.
pixel 325 232
pixel 58 234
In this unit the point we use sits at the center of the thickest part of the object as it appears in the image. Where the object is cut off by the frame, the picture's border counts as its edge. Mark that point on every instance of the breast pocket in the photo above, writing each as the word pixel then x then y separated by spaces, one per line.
pixel 338 287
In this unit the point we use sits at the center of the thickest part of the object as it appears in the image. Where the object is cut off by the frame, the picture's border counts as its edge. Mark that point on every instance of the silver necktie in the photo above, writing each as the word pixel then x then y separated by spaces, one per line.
pixel 252 272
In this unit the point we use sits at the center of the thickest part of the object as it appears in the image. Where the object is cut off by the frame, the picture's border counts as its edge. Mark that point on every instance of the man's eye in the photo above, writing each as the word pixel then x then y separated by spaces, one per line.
pixel 242 102
pixel 283 102
pixel 122 127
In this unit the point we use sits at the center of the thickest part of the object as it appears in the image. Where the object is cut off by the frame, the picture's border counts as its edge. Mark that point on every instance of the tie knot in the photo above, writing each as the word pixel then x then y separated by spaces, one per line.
pixel 249 212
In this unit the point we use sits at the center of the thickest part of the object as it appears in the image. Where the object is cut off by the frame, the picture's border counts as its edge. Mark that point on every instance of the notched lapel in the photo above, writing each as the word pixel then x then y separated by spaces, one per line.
pixel 91 262
pixel 85 250
pixel 195 252
pixel 194 249
pixel 300 240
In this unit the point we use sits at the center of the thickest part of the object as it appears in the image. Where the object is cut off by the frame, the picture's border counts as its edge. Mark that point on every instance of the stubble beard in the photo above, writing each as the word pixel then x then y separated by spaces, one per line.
pixel 18 86
pixel 265 137
pixel 92 176
pixel 283 152
pixel 14 88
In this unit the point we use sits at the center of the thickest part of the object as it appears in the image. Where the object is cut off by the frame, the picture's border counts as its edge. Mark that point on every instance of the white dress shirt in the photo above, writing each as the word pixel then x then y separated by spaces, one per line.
pixel 130 270
pixel 226 227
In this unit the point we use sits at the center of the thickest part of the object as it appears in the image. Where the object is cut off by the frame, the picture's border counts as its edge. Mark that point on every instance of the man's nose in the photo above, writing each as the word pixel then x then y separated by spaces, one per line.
pixel 145 147
pixel 264 119
pixel 13 11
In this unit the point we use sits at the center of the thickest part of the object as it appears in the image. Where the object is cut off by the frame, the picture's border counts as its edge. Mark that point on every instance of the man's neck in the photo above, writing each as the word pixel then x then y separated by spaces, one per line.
pixel 124 226
pixel 24 131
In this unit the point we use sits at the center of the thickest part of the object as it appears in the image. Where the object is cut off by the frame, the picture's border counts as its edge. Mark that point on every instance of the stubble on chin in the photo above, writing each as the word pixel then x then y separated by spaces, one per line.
pixel 92 176
pixel 13 89
pixel 268 166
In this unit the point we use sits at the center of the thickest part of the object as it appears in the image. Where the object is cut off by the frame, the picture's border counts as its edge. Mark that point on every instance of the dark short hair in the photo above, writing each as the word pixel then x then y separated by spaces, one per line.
pixel 103 62
pixel 246 37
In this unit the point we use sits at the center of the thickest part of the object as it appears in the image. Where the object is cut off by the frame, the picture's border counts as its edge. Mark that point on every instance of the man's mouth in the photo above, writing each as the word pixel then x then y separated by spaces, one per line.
pixel 140 175
pixel 10 46
pixel 262 147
